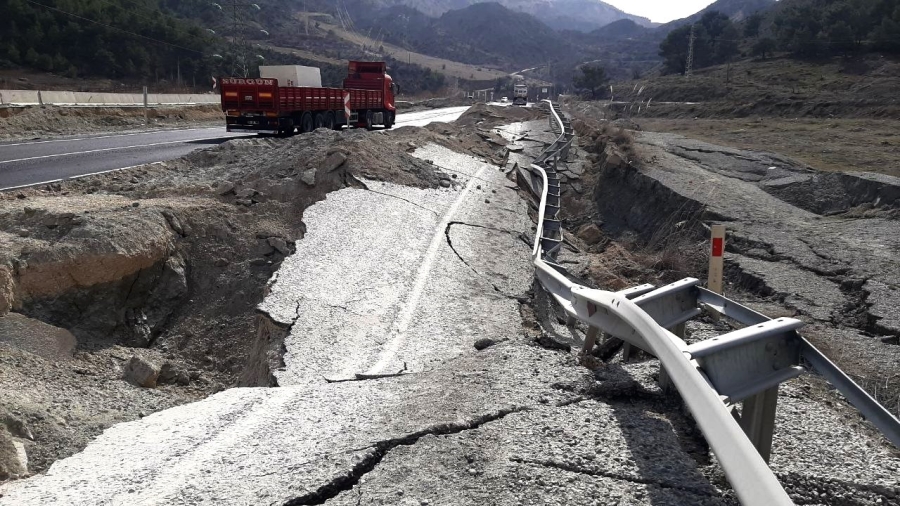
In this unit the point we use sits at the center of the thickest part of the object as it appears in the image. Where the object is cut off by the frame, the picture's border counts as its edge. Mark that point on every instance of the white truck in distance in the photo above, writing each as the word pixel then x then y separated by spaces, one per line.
pixel 520 95
pixel 292 76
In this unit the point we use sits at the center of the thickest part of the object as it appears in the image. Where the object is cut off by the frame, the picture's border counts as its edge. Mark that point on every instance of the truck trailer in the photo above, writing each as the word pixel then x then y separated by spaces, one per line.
pixel 266 105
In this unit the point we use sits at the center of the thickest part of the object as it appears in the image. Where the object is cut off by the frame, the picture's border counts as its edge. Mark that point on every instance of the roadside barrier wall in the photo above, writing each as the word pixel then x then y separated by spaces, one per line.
pixel 82 99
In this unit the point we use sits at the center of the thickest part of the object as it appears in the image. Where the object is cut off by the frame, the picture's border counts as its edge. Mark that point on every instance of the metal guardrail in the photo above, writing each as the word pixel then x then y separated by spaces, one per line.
pixel 745 366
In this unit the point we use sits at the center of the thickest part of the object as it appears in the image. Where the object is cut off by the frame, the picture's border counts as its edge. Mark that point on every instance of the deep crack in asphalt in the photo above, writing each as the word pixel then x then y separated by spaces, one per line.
pixel 381 449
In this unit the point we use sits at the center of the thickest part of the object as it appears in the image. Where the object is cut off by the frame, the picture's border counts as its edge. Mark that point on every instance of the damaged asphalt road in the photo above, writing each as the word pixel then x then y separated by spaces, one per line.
pixel 379 285
pixel 395 279
pixel 403 336
pixel 822 241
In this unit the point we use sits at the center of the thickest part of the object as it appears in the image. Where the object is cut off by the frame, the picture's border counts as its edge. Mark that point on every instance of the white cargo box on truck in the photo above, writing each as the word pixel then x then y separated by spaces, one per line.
pixel 292 76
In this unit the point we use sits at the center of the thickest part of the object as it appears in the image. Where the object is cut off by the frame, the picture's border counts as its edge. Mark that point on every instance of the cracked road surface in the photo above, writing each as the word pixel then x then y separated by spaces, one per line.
pixel 393 278
pixel 796 231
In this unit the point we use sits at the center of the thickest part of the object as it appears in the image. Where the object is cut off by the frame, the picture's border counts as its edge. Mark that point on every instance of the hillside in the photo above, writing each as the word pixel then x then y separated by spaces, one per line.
pixel 140 39
pixel 736 10
pixel 583 15
pixel 860 87
pixel 475 34
pixel 622 29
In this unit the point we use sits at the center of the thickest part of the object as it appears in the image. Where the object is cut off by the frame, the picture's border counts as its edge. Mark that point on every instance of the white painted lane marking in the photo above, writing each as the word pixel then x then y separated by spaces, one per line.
pixel 401 324
pixel 32 143
pixel 110 149
pixel 79 176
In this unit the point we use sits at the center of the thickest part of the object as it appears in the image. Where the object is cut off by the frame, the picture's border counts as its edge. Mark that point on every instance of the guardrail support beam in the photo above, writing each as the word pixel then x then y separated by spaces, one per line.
pixel 758 420
pixel 628 352
pixel 590 339
pixel 665 382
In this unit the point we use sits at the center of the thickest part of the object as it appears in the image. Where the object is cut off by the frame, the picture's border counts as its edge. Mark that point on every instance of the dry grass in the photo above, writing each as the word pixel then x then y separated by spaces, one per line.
pixel 626 263
pixel 839 144
pixel 596 134
pixel 327 24
pixel 843 83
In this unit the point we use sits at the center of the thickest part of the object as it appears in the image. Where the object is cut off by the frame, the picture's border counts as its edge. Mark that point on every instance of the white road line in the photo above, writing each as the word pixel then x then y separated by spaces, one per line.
pixel 79 176
pixel 398 332
pixel 32 143
pixel 109 149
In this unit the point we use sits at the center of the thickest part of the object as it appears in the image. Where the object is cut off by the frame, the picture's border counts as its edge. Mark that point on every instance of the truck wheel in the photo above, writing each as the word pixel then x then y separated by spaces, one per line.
pixel 320 121
pixel 370 118
pixel 306 123
pixel 389 117
pixel 329 120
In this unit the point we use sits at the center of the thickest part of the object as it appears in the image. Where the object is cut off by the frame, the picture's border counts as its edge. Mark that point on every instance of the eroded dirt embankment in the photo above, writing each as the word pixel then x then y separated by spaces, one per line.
pixel 163 265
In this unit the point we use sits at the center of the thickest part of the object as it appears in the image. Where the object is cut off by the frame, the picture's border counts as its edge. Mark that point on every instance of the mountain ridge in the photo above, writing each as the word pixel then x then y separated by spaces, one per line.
pixel 582 15
pixel 737 10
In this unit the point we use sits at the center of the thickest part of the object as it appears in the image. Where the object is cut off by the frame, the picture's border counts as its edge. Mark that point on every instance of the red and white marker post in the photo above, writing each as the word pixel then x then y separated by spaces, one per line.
pixel 347 106
pixel 716 259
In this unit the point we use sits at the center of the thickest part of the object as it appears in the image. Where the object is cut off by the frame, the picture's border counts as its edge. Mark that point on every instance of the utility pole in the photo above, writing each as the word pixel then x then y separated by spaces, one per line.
pixel 240 64
pixel 307 17
pixel 237 41
pixel 727 77
pixel 689 66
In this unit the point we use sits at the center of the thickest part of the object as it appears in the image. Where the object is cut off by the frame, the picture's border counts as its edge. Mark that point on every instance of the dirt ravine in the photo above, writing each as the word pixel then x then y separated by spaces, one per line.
pixel 167 262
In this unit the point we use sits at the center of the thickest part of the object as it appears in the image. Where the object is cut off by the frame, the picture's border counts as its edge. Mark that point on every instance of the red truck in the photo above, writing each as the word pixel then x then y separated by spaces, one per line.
pixel 263 106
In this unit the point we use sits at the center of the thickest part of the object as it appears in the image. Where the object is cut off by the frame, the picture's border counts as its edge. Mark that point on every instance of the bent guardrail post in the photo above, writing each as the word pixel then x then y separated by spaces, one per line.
pixel 746 365
pixel 745 468
pixel 880 417
pixel 671 306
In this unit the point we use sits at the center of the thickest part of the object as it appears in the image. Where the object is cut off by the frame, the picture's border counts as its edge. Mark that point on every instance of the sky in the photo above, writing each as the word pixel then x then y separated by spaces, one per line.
pixel 660 11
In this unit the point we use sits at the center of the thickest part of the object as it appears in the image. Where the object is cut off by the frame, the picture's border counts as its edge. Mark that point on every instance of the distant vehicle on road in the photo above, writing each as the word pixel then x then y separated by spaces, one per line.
pixel 288 99
pixel 520 95
pixel 504 100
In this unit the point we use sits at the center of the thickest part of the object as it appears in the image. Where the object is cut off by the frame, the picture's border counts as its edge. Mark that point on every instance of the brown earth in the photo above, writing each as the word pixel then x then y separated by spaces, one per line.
pixel 167 262
pixel 839 144
pixel 834 145
pixel 49 121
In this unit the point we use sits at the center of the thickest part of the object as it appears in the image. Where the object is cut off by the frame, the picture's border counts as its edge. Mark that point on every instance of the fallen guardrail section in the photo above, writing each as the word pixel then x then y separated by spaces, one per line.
pixel 744 366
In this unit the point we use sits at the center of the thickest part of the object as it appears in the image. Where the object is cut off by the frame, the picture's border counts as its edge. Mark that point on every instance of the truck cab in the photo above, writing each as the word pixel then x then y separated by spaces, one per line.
pixel 371 76
pixel 520 94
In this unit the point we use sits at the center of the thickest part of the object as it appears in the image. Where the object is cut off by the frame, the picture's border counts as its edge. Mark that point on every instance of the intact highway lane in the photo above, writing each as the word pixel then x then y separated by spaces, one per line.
pixel 28 163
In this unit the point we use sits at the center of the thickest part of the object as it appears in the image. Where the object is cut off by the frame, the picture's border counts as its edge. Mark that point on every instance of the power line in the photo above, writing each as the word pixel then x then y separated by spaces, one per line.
pixel 67 13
